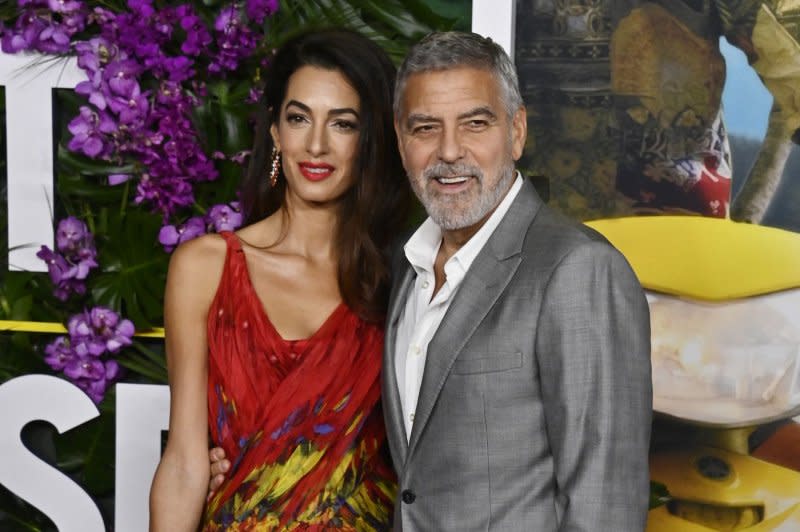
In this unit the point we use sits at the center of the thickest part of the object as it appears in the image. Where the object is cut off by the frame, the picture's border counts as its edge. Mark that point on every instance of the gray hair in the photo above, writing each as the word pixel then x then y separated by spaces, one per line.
pixel 447 50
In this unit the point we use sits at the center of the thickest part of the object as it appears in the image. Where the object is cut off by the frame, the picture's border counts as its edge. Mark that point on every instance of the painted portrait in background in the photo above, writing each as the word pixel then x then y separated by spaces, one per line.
pixel 625 109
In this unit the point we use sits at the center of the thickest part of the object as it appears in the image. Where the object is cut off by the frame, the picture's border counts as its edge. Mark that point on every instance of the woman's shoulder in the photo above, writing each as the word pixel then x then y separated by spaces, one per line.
pixel 206 247
pixel 200 259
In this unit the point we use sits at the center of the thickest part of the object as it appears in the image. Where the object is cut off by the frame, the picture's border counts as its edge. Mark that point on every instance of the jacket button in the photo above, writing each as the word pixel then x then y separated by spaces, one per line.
pixel 408 496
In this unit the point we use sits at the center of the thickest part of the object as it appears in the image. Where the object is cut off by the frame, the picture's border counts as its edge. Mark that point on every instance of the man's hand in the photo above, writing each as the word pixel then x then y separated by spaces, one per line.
pixel 219 466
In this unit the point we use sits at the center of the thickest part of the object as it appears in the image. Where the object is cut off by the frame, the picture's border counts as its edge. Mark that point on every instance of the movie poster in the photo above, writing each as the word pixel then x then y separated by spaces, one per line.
pixel 671 127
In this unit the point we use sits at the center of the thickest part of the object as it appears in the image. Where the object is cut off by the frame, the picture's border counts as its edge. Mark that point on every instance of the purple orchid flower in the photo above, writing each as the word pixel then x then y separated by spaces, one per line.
pixel 45 26
pixel 75 257
pixel 84 341
pixel 25 33
pixel 258 10
pixel 93 335
pixel 94 89
pixel 224 217
pixel 95 54
pixel 130 107
pixel 84 367
pixel 64 6
pixel 96 385
pixel 71 234
pixel 90 132
pixel 99 331
pixel 234 38
pixel 107 325
pixel 167 194
pixel 171 236
pixel 197 36
pixel 148 45
pixel 59 353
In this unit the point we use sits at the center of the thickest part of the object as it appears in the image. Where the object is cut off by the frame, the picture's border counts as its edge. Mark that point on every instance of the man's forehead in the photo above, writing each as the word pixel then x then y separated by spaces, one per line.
pixel 449 89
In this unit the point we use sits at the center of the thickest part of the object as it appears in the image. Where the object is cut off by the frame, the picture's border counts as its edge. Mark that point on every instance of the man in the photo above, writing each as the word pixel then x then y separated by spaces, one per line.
pixel 516 377
pixel 516 387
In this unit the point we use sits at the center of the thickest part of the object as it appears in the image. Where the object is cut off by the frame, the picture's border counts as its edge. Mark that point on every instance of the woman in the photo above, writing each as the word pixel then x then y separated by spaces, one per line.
pixel 278 327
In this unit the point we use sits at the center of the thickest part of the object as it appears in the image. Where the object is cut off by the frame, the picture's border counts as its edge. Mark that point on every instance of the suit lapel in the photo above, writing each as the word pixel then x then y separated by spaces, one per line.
pixel 482 286
pixel 395 428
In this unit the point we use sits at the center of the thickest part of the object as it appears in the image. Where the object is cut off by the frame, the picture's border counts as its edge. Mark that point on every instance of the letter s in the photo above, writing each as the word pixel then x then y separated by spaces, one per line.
pixel 33 397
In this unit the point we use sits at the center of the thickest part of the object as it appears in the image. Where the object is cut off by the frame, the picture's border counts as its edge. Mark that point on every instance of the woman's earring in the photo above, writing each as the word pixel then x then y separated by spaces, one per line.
pixel 276 163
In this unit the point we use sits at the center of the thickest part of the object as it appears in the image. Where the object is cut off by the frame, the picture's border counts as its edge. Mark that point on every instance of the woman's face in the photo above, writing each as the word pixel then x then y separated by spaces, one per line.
pixel 317 133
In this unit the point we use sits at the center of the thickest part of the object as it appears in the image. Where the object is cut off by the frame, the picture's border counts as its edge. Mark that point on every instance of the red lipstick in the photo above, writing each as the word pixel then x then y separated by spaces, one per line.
pixel 316 171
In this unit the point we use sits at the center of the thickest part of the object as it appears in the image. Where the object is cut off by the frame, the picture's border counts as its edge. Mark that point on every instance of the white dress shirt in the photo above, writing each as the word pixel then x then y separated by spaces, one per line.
pixel 422 315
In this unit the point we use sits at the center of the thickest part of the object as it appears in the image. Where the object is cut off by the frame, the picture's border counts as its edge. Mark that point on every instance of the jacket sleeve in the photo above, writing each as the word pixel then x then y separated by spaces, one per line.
pixel 593 351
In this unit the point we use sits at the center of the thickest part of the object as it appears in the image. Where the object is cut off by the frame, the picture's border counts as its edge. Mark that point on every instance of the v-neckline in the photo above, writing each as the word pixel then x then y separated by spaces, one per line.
pixel 263 310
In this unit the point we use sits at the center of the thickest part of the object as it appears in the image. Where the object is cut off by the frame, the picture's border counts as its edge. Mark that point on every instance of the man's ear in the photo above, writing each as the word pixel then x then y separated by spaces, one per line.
pixel 398 131
pixel 519 132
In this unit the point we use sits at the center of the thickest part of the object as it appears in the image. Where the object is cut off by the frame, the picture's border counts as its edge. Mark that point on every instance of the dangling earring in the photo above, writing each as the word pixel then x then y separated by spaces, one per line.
pixel 276 163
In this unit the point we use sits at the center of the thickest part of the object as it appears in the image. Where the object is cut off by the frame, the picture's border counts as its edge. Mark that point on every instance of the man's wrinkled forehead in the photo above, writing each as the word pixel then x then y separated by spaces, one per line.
pixel 424 82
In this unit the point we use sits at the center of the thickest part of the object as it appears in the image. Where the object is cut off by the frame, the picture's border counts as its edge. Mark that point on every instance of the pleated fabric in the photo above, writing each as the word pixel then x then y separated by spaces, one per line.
pixel 300 420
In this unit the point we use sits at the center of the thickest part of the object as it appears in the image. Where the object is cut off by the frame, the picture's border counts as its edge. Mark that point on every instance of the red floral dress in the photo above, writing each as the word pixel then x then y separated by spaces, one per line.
pixel 300 420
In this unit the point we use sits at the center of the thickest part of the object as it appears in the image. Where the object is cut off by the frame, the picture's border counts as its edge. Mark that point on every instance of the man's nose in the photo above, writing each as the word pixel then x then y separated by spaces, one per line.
pixel 451 148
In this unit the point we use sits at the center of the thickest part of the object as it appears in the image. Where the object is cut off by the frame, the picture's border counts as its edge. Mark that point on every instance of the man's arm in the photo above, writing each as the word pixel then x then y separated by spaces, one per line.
pixel 219 466
pixel 593 350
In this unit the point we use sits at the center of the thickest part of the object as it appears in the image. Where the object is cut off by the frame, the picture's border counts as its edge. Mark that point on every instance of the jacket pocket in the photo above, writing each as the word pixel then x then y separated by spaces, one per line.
pixel 492 364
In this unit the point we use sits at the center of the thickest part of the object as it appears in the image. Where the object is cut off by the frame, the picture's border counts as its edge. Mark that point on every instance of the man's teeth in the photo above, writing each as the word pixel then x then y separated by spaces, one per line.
pixel 451 180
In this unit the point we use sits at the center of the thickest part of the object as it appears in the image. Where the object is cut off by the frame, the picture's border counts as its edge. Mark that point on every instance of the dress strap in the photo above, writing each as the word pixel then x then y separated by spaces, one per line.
pixel 232 240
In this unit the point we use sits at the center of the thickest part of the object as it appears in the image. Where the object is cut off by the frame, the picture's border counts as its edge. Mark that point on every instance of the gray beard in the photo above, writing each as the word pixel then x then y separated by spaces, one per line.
pixel 449 211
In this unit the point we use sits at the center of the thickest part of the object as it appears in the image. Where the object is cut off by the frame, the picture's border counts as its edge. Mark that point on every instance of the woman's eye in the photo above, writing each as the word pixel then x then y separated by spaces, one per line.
pixel 346 125
pixel 294 118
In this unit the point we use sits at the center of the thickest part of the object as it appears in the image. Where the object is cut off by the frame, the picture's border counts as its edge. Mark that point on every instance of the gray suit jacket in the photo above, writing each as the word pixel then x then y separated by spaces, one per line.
pixel 535 406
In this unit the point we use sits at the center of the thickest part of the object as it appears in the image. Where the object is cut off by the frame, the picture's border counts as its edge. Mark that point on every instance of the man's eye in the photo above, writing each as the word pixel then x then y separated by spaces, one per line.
pixel 425 128
pixel 477 124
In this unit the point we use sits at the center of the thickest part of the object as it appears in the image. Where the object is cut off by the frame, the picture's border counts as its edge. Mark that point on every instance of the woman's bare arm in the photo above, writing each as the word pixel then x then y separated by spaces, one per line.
pixel 181 481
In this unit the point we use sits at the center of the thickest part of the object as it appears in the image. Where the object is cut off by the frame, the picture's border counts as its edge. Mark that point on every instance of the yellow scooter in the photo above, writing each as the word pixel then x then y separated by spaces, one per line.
pixel 725 315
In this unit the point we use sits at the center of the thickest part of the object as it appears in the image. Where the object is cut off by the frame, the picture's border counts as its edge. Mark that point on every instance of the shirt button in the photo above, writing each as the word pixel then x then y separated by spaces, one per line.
pixel 425 284
pixel 416 350
pixel 411 417
pixel 408 496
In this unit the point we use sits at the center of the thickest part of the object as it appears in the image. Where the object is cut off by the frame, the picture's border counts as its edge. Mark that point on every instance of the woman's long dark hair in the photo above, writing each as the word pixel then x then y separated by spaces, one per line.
pixel 375 208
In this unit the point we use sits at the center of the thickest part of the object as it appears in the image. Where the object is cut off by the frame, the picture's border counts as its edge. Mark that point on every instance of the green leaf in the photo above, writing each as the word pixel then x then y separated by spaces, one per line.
pixel 17 515
pixel 224 118
pixel 17 286
pixel 21 309
pixel 90 448
pixel 442 14
pixel 72 162
pixel 134 268
pixel 395 16
pixel 145 361
pixel 19 357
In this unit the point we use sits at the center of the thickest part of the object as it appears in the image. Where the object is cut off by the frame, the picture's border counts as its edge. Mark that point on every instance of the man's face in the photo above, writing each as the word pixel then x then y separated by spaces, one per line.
pixel 458 143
